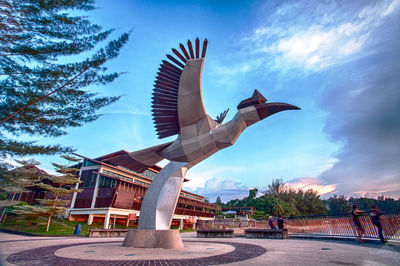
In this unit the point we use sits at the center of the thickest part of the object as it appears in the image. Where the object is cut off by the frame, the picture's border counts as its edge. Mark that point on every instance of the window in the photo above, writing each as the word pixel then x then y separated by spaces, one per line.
pixel 88 178
pixel 191 196
pixel 89 163
pixel 141 183
pixel 107 182
pixel 149 174
pixel 116 175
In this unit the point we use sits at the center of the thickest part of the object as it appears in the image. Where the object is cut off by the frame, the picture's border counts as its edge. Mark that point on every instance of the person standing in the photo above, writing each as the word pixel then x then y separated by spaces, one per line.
pixel 375 219
pixel 355 213
pixel 281 223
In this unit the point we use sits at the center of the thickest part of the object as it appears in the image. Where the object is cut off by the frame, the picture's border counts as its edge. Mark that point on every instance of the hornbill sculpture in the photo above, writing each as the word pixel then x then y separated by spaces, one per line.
pixel 178 110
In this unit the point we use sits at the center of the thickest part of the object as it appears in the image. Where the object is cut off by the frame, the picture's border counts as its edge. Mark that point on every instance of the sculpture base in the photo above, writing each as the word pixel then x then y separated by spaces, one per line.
pixel 145 238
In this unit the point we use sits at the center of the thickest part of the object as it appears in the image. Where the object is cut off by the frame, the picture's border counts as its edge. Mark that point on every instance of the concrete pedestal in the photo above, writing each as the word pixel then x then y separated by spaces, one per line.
pixel 146 238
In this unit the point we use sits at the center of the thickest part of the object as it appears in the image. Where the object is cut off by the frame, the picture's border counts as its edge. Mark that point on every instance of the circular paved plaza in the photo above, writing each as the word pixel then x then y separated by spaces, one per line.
pixel 22 250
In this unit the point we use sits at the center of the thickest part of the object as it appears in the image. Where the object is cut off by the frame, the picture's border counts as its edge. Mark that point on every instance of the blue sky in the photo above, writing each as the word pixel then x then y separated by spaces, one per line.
pixel 337 60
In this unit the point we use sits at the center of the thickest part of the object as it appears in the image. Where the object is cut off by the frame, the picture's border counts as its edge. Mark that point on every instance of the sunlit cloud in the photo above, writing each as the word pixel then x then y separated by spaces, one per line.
pixel 307 183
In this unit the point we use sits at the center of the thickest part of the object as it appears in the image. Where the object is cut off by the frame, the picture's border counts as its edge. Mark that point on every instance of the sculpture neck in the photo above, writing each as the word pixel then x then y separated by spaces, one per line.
pixel 204 125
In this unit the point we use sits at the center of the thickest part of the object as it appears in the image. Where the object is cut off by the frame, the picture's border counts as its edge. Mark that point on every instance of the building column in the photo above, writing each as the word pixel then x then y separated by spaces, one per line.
pixel 96 190
pixel 194 223
pixel 181 224
pixel 76 187
pixel 90 219
pixel 107 220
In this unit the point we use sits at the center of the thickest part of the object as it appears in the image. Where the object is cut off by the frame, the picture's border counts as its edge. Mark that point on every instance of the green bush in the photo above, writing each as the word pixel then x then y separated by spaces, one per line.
pixel 10 209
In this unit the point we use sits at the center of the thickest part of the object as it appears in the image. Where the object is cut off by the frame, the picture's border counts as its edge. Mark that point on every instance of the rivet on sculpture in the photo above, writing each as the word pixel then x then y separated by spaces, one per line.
pixel 178 110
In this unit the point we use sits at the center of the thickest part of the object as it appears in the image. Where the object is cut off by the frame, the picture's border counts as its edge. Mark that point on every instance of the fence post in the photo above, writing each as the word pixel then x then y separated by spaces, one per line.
pixel 330 228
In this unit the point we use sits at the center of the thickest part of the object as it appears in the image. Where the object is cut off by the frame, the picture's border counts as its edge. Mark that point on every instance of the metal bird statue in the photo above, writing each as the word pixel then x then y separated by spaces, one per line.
pixel 178 110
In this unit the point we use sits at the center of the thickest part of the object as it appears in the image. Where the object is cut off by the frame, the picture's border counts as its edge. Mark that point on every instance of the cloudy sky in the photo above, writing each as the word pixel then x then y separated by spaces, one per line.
pixel 337 60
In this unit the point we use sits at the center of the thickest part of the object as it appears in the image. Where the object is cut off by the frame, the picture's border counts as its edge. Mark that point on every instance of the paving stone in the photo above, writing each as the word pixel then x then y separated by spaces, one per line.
pixel 46 256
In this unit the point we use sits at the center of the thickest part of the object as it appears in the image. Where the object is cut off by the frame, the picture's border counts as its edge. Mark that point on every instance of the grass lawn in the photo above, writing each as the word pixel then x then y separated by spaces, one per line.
pixel 22 225
pixel 66 228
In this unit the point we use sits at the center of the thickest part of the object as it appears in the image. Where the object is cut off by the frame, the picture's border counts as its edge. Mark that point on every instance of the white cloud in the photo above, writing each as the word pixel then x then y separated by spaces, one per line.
pixel 232 70
pixel 329 36
pixel 363 103
pixel 228 74
pixel 127 109
pixel 201 174
pixel 361 96
pixel 226 189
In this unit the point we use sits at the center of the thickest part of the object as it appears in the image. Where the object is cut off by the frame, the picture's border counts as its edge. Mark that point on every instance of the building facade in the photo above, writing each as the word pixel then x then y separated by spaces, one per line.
pixel 114 193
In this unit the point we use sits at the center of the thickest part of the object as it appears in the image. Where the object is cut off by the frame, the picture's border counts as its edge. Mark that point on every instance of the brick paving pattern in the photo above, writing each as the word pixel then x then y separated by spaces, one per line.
pixel 46 256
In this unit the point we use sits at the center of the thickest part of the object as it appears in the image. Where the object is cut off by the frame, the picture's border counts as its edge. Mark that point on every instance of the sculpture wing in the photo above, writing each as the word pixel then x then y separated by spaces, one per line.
pixel 177 100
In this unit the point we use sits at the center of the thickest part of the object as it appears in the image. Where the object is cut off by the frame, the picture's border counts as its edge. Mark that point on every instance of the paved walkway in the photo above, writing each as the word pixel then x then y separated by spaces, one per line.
pixel 23 250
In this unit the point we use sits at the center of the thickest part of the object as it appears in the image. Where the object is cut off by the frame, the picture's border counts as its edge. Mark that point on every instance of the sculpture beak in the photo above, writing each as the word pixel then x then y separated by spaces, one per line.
pixel 267 109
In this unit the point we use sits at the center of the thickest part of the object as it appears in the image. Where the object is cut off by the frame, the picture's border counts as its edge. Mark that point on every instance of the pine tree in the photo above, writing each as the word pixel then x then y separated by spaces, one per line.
pixel 48 60
pixel 218 201
pixel 276 188
pixel 278 210
pixel 16 181
pixel 338 205
pixel 58 186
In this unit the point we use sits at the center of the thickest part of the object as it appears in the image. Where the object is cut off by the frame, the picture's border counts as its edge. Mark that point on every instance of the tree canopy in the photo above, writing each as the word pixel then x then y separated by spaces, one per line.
pixel 279 199
pixel 49 58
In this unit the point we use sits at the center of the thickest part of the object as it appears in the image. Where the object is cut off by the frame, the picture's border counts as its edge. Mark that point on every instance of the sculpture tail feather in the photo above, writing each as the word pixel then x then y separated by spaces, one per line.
pixel 142 159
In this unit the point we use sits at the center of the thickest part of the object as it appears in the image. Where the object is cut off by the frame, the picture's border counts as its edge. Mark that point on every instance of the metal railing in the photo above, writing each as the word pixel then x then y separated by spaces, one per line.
pixel 183 211
pixel 221 223
pixel 342 225
pixel 322 225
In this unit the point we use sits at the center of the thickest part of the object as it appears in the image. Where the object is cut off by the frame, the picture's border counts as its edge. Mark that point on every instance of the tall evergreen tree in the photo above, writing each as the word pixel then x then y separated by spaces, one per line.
pixel 218 201
pixel 13 183
pixel 276 188
pixel 16 181
pixel 57 186
pixel 48 60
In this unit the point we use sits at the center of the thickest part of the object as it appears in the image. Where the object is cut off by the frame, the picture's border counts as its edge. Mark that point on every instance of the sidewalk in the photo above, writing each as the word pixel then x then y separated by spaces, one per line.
pixel 23 250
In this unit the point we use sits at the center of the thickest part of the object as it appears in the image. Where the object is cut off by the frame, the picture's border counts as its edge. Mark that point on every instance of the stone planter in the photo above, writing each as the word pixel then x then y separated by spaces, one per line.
pixel 108 232
pixel 215 233
pixel 266 233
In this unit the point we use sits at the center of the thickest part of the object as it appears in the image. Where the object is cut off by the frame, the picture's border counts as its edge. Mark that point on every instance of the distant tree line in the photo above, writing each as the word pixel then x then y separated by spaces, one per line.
pixel 339 204
pixel 279 199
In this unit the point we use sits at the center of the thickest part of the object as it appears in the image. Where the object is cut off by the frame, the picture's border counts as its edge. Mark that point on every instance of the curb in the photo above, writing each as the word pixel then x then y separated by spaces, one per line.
pixel 339 238
pixel 31 234
pixel 372 242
